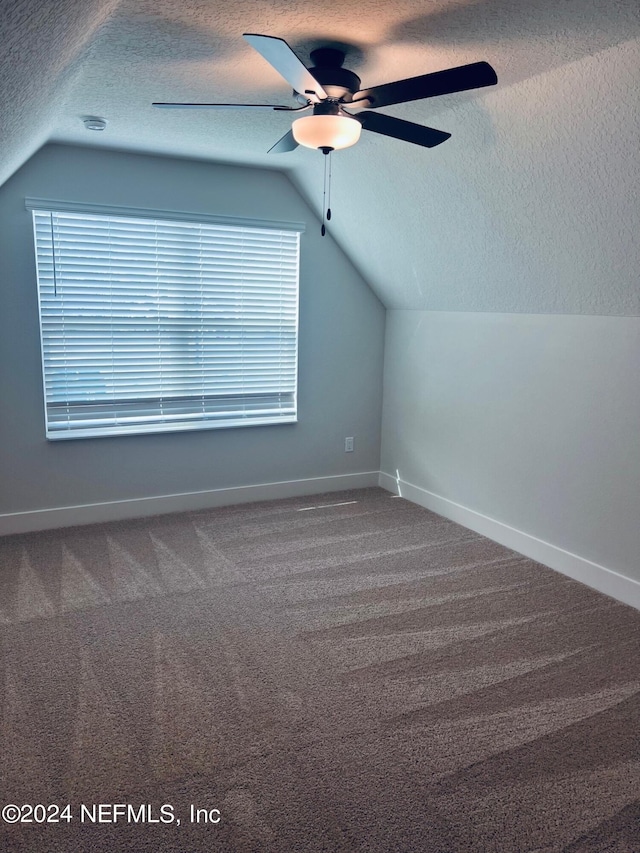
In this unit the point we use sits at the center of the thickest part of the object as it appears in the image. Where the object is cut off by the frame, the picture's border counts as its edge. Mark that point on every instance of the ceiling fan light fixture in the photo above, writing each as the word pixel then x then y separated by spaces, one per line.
pixel 326 131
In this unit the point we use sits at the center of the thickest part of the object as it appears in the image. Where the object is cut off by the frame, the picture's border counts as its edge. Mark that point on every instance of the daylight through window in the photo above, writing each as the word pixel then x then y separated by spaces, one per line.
pixel 156 324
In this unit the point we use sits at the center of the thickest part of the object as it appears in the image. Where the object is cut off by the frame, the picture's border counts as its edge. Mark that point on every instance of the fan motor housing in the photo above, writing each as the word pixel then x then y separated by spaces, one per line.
pixel 339 83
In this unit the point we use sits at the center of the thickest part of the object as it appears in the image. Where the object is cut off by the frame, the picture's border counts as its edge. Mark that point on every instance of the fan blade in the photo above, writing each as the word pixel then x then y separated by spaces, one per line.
pixel 398 128
pixel 165 106
pixel 278 54
pixel 286 143
pixel 473 76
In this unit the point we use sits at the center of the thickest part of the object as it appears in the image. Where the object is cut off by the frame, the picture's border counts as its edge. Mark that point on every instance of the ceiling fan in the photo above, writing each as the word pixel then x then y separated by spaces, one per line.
pixel 331 92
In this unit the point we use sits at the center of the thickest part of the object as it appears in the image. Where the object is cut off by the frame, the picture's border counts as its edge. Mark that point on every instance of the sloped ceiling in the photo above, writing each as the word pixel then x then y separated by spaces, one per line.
pixel 530 206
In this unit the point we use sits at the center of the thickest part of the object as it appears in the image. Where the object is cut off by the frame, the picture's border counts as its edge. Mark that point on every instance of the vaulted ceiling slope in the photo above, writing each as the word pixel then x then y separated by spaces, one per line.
pixel 531 206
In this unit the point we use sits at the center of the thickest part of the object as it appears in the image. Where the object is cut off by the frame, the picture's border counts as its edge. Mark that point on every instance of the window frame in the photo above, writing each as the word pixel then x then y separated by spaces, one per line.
pixel 245 415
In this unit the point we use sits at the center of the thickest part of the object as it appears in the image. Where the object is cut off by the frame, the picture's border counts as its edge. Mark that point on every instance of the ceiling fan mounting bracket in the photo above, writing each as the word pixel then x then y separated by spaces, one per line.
pixel 327 57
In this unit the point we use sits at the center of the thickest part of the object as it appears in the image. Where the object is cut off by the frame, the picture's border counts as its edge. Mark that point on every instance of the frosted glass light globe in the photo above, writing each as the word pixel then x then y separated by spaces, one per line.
pixel 326 131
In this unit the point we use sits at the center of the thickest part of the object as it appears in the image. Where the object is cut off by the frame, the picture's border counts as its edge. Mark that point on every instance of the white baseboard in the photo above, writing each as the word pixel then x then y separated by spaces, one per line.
pixel 592 574
pixel 598 577
pixel 67 516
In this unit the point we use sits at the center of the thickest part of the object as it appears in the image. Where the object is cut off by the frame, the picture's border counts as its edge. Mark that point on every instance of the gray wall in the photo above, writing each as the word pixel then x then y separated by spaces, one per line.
pixel 530 414
pixel 340 356
pixel 531 420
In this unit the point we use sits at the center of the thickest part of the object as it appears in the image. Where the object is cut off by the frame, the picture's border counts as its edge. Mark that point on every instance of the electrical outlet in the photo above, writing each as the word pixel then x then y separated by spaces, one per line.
pixel 348 444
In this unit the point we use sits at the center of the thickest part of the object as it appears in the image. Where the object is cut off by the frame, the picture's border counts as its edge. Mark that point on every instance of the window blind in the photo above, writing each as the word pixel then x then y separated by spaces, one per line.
pixel 150 325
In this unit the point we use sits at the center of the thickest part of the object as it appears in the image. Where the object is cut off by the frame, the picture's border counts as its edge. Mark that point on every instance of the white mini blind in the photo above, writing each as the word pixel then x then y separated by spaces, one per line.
pixel 150 325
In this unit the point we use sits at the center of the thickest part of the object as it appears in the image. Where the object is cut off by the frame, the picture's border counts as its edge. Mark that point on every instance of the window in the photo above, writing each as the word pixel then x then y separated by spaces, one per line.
pixel 153 324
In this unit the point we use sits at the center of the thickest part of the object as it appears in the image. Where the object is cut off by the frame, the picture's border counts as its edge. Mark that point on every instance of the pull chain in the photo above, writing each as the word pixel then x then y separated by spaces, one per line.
pixel 327 152
pixel 329 190
pixel 323 230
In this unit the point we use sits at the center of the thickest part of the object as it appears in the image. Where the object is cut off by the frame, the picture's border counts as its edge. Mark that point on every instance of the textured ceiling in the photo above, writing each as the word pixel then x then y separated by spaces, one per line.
pixel 526 208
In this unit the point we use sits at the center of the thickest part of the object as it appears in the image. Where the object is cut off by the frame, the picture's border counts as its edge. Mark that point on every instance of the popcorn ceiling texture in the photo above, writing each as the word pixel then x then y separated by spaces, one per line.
pixel 41 43
pixel 529 207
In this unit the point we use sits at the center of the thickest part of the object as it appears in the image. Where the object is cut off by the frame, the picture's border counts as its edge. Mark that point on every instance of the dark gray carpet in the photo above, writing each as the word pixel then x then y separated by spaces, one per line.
pixel 340 673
